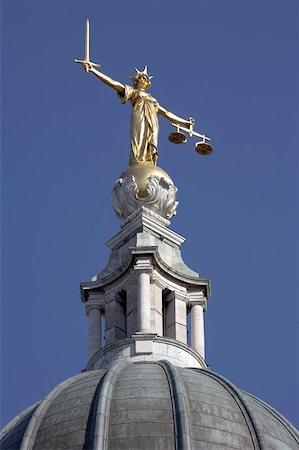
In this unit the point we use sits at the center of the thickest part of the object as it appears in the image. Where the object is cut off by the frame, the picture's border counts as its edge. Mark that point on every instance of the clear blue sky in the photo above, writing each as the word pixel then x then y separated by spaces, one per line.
pixel 233 65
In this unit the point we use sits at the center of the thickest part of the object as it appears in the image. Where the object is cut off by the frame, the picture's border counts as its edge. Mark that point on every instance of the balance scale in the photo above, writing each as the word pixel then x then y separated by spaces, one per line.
pixel 177 137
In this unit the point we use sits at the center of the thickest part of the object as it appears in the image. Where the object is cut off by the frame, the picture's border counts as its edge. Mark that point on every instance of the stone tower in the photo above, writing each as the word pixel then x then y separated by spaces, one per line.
pixel 140 302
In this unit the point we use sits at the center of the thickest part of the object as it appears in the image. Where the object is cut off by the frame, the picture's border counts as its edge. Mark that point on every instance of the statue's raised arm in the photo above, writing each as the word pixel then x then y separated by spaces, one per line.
pixel 116 85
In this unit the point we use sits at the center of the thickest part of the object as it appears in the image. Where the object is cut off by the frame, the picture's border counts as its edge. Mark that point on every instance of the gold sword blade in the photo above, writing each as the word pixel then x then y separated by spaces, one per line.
pixel 87 41
pixel 86 59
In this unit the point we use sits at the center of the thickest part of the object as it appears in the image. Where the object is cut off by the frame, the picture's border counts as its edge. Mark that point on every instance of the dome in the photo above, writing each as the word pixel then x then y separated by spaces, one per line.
pixel 149 405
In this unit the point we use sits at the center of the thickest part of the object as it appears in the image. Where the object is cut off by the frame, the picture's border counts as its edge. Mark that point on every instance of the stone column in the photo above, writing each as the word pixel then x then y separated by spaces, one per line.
pixel 176 316
pixel 132 321
pixel 115 318
pixel 144 305
pixel 94 329
pixel 197 329
pixel 143 269
pixel 156 308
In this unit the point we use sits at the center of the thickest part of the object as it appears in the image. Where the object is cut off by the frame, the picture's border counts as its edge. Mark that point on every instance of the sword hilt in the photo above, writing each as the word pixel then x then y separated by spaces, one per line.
pixel 86 63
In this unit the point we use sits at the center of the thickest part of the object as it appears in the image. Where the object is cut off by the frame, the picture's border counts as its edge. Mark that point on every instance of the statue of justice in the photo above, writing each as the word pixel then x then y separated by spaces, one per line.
pixel 144 127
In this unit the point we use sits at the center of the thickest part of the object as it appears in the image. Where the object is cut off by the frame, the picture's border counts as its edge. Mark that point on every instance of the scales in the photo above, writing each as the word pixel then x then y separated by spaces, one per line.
pixel 177 137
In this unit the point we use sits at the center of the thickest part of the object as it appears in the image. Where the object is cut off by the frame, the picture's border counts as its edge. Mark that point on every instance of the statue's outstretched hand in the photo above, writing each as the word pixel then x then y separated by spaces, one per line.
pixel 88 67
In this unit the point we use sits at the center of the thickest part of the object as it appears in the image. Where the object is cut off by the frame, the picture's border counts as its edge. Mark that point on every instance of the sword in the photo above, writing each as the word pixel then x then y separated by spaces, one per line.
pixel 86 62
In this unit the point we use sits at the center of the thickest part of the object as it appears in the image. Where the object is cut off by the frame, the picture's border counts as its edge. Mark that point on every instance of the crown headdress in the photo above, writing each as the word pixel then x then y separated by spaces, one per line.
pixel 139 73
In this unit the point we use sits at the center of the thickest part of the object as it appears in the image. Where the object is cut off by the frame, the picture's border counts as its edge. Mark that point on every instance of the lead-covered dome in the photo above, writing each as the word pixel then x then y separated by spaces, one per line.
pixel 149 405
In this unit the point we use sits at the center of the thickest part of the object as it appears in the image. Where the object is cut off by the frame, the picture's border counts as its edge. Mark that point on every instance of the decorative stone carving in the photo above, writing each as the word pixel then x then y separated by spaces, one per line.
pixel 160 196
pixel 150 214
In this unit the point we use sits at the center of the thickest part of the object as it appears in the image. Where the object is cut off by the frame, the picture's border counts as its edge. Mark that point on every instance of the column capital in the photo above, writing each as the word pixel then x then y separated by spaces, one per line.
pixel 94 304
pixel 197 297
pixel 143 264
pixel 202 303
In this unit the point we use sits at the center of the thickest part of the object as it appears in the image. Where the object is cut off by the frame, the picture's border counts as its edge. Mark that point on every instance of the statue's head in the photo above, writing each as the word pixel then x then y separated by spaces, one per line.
pixel 141 79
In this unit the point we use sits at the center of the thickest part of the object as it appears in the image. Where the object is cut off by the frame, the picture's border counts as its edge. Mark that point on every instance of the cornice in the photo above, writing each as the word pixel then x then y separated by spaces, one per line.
pixel 102 283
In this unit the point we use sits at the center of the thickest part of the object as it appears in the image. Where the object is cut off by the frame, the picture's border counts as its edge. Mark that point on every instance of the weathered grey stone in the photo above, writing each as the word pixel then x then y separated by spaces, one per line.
pixel 215 436
pixel 150 443
pixel 141 392
pixel 64 441
pixel 157 403
pixel 141 415
pixel 60 428
pixel 115 321
pixel 140 383
pixel 65 415
pixel 143 347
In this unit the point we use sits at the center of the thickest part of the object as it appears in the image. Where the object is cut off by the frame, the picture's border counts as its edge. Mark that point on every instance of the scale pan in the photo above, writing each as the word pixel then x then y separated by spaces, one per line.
pixel 203 148
pixel 177 138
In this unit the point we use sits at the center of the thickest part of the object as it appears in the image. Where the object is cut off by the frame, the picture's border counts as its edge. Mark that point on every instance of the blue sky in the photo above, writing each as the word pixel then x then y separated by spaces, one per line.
pixel 233 65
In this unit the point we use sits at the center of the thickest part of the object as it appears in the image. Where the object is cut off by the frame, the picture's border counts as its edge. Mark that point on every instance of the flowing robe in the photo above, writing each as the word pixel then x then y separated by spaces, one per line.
pixel 144 124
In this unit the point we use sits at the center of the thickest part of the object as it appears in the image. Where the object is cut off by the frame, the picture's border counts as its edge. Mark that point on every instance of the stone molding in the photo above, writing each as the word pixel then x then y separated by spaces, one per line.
pixel 144 222
pixel 117 275
pixel 160 199
pixel 177 295
pixel 147 212
pixel 159 280
pixel 143 264
pixel 127 345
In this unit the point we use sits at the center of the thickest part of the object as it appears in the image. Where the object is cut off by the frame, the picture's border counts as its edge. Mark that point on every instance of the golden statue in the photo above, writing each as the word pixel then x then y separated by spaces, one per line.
pixel 144 118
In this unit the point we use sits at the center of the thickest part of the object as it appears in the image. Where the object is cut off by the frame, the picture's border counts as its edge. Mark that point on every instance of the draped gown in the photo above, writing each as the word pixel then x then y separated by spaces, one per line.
pixel 144 125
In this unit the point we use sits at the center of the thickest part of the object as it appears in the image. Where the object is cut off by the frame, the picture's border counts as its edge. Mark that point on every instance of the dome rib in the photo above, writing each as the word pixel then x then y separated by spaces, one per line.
pixel 257 439
pixel 12 434
pixel 180 406
pixel 91 421
pixel 39 413
pixel 10 425
pixel 101 425
pixel 289 427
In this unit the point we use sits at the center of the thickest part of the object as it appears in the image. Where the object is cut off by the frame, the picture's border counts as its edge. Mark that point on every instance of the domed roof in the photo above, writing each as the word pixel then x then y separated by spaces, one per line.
pixel 149 405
